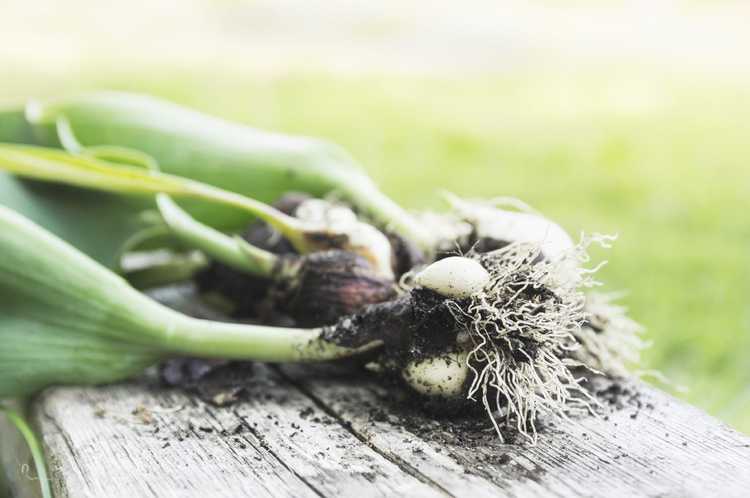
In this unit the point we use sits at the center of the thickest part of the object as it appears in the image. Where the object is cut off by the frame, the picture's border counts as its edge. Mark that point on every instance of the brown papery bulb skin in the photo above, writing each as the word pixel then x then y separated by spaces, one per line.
pixel 332 284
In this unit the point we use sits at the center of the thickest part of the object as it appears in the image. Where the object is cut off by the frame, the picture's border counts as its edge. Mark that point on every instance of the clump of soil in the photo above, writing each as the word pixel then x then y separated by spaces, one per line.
pixel 466 435
pixel 416 325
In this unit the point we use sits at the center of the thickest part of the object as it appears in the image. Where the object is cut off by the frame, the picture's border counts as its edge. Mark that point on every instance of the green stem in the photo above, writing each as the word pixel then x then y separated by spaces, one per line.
pixel 152 238
pixel 112 153
pixel 383 209
pixel 14 127
pixel 37 454
pixel 90 172
pixel 252 162
pixel 204 338
pixel 232 251
pixel 181 269
pixel 291 228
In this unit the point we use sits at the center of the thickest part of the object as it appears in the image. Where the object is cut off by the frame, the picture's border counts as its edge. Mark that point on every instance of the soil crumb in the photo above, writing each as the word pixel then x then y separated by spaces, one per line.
pixel 217 382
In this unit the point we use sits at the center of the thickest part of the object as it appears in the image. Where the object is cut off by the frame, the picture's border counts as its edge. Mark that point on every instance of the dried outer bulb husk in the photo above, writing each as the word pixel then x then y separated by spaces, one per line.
pixel 348 233
pixel 332 284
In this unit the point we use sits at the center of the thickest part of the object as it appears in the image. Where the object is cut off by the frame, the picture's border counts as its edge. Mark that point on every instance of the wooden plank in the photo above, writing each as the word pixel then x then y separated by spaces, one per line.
pixel 328 431
pixel 351 439
pixel 140 440
pixel 645 444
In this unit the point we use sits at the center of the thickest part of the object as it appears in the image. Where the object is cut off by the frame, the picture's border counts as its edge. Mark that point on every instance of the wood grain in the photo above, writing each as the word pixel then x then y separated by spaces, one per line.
pixel 302 431
pixel 135 440
pixel 647 444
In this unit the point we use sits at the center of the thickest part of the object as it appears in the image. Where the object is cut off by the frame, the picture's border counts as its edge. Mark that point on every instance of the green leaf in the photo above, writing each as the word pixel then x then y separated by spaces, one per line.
pixel 97 223
pixel 178 268
pixel 100 224
pixel 85 171
pixel 65 319
pixel 34 446
pixel 232 251
pixel 14 127
pixel 237 158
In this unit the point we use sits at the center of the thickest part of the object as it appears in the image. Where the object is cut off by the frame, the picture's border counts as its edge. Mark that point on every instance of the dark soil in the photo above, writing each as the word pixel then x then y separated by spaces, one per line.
pixel 406 256
pixel 414 326
pixel 466 435
pixel 218 382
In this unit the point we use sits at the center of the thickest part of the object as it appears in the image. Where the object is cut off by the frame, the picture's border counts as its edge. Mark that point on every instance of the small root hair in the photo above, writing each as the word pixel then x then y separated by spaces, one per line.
pixel 523 333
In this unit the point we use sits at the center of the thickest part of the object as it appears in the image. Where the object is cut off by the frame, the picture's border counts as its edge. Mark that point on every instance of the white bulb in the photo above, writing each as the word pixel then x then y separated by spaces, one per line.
pixel 454 277
pixel 513 226
pixel 442 376
pixel 361 238
pixel 324 213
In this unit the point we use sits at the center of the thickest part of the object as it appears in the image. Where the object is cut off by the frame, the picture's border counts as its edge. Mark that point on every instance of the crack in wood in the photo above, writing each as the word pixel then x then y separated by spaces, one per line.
pixel 259 440
pixel 69 446
pixel 268 448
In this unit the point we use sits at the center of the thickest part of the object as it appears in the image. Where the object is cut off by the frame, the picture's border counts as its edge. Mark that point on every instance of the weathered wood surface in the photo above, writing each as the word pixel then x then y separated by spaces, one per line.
pixel 302 431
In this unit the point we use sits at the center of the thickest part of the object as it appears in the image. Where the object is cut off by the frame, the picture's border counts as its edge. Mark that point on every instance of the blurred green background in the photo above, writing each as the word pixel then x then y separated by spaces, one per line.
pixel 623 117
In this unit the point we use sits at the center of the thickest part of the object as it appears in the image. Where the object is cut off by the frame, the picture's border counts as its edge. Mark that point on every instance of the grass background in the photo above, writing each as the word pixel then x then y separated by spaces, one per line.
pixel 661 160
